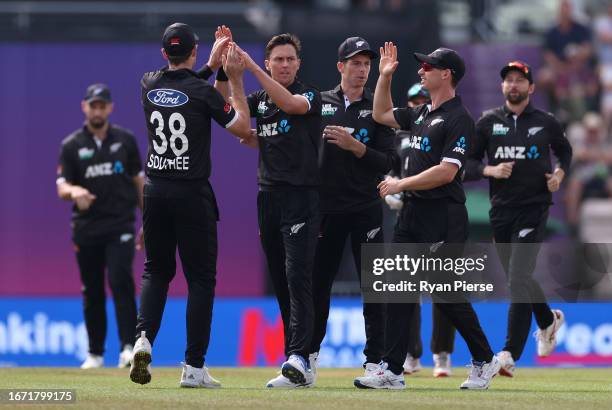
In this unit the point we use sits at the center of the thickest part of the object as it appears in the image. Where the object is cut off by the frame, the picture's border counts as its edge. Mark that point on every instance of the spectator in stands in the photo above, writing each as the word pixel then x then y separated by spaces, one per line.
pixel 591 170
pixel 567 78
pixel 603 40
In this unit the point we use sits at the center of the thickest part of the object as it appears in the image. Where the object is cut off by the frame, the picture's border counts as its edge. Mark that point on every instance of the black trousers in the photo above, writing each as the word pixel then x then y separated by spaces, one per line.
pixel 363 227
pixel 189 222
pixel 288 228
pixel 442 333
pixel 431 221
pixel 521 225
pixel 115 254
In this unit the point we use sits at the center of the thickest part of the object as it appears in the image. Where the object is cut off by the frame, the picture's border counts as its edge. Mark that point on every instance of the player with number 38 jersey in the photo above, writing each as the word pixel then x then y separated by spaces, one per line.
pixel 178 107
pixel 180 209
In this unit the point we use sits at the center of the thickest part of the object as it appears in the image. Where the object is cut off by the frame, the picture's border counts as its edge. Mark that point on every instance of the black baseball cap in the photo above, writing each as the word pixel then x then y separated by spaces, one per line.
pixel 98 92
pixel 179 39
pixel 444 58
pixel 519 66
pixel 353 46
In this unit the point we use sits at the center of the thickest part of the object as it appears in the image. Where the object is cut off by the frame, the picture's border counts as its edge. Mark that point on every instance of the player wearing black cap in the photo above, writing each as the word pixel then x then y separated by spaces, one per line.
pixel 179 204
pixel 517 139
pixel 355 154
pixel 443 332
pixel 100 171
pixel 288 114
pixel 434 202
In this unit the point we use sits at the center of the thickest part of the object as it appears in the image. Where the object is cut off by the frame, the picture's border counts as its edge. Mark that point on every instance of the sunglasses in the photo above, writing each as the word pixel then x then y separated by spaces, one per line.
pixel 517 64
pixel 429 67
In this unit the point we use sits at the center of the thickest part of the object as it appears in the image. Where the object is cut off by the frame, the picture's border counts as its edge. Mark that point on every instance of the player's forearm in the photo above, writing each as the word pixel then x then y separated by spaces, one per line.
pixel 240 105
pixel 382 111
pixel 224 89
pixel 428 179
pixel 279 94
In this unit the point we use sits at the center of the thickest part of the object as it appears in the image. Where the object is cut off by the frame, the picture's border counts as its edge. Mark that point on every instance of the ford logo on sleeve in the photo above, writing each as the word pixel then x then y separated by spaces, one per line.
pixel 167 97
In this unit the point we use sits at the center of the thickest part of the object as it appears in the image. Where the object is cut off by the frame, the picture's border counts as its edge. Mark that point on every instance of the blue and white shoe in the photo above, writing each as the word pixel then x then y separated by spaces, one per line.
pixel 383 378
pixel 296 369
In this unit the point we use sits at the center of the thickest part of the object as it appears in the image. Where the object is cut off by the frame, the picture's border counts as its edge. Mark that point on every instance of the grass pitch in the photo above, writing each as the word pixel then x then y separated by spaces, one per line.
pixel 244 388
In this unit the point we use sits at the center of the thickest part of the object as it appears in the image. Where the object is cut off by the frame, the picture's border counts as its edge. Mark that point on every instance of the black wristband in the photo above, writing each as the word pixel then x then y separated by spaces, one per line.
pixel 205 72
pixel 221 76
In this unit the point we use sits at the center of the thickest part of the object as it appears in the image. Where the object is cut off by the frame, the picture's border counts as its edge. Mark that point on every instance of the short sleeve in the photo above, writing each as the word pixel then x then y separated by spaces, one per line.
pixel 134 162
pixel 459 137
pixel 221 111
pixel 404 116
pixel 66 169
pixel 313 97
pixel 252 102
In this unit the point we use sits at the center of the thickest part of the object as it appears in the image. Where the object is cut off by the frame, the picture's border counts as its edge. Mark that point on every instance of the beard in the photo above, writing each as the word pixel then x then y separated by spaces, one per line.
pixel 517 98
pixel 97 123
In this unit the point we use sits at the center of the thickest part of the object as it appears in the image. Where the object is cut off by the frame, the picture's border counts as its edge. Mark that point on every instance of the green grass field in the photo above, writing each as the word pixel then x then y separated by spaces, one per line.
pixel 243 388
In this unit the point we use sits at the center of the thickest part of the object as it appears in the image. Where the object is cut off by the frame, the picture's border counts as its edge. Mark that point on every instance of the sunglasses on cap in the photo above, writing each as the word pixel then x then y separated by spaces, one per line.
pixel 520 66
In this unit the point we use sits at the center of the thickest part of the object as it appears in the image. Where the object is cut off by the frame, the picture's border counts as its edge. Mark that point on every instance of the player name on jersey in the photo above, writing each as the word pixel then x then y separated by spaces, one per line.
pixel 163 163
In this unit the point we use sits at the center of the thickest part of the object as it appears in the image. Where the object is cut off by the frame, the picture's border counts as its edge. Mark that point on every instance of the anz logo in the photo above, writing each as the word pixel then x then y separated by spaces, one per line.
pixel 416 142
pixel 104 169
pixel 362 135
pixel 460 146
pixel 275 128
pixel 517 152
pixel 167 97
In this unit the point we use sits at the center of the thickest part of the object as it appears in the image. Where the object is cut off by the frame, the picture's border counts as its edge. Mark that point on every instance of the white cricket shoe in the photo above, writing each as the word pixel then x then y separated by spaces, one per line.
pixel 93 361
pixel 507 363
pixel 411 364
pixel 547 338
pixel 481 375
pixel 140 371
pixel 442 365
pixel 370 369
pixel 125 357
pixel 281 382
pixel 297 370
pixel 383 378
pixel 198 377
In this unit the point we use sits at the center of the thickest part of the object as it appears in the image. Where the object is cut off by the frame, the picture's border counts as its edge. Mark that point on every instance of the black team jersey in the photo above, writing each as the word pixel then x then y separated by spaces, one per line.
pixel 106 170
pixel 348 183
pixel 178 107
pixel 527 140
pixel 441 135
pixel 288 144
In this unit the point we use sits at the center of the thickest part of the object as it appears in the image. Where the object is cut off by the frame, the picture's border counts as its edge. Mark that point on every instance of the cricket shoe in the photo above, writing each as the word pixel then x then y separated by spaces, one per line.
pixel 198 377
pixel 281 382
pixel 547 338
pixel 297 370
pixel 411 364
pixel 481 374
pixel 507 363
pixel 442 364
pixel 371 369
pixel 93 361
pixel 125 357
pixel 140 371
pixel 383 378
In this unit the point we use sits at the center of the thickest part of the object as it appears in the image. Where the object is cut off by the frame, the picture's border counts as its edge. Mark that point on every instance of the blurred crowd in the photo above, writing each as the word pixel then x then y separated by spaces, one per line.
pixel 576 78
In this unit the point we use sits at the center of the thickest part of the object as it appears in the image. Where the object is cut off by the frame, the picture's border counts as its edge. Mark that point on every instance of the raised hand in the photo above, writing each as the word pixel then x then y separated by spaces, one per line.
pixel 233 63
pixel 219 48
pixel 388 59
pixel 249 64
